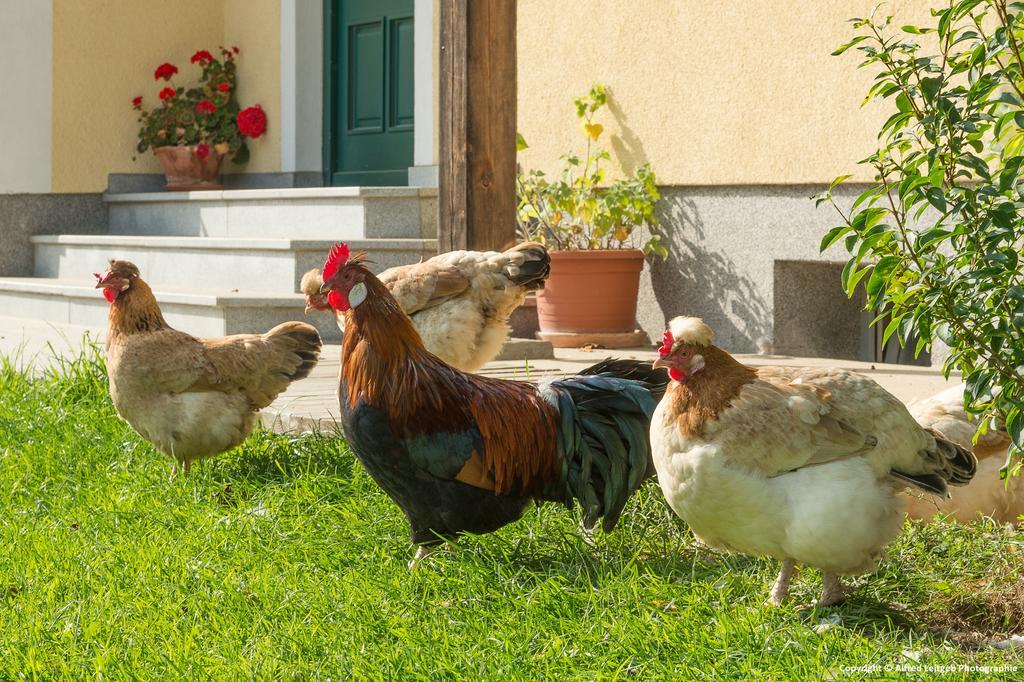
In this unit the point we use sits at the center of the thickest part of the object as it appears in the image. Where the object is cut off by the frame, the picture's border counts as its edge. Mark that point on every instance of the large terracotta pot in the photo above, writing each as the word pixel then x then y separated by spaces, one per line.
pixel 187 172
pixel 590 293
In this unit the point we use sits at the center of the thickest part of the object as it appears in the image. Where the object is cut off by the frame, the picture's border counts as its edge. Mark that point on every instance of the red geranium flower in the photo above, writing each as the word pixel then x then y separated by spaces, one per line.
pixel 223 87
pixel 165 71
pixel 202 56
pixel 166 94
pixel 137 101
pixel 202 151
pixel 235 50
pixel 252 122
pixel 206 107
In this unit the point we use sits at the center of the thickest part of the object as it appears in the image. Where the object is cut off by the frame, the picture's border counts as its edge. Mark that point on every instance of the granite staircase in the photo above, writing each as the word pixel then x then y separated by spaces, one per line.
pixel 221 262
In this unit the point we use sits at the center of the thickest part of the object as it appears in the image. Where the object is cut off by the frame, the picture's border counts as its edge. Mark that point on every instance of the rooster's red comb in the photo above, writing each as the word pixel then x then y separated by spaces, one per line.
pixel 667 341
pixel 337 258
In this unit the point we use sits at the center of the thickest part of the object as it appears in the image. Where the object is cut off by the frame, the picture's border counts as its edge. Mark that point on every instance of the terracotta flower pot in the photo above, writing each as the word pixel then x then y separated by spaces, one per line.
pixel 187 172
pixel 590 297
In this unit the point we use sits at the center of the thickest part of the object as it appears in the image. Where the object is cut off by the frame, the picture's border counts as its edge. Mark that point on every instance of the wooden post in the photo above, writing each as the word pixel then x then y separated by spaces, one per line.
pixel 477 192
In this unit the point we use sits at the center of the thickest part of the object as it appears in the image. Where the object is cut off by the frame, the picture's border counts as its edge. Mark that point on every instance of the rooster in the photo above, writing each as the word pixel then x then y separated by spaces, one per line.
pixel 986 494
pixel 461 453
pixel 193 398
pixel 460 302
pixel 803 465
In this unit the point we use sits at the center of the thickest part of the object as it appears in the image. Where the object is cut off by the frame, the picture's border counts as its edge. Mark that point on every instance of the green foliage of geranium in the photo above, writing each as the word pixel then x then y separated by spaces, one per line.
pixel 580 210
pixel 937 241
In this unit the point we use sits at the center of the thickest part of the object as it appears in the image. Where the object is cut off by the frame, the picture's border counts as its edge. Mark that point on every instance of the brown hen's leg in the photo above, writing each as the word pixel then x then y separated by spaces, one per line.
pixel 780 590
pixel 832 590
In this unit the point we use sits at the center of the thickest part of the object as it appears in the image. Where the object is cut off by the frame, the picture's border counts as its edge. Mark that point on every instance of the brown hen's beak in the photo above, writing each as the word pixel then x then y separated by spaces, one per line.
pixel 660 362
pixel 102 280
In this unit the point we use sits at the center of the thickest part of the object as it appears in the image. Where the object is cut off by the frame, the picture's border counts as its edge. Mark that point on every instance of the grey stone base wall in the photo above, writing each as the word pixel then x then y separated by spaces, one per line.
pixel 745 259
pixel 25 215
pixel 124 183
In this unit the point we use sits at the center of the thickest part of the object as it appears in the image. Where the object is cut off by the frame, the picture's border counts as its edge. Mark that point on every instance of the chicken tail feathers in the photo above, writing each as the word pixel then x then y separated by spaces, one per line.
pixel 656 380
pixel 959 463
pixel 300 339
pixel 528 266
pixel 930 483
pixel 949 464
pixel 603 442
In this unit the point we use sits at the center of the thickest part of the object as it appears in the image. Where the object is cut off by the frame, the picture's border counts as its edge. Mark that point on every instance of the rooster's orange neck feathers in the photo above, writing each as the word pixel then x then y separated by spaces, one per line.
pixel 135 310
pixel 385 364
pixel 380 344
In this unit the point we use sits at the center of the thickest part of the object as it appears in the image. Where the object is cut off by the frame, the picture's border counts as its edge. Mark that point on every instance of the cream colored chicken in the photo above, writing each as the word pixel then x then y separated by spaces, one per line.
pixel 193 398
pixel 460 302
pixel 803 465
pixel 986 494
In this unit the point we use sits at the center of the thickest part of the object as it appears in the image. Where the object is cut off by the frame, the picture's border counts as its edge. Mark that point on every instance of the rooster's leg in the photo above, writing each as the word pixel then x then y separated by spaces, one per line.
pixel 780 590
pixel 422 553
pixel 832 590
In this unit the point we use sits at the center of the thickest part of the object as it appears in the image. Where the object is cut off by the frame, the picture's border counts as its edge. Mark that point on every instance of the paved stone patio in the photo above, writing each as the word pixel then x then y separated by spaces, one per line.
pixel 312 403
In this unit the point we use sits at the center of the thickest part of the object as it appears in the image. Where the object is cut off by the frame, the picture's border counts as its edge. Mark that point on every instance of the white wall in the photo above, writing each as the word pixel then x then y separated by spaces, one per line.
pixel 424 48
pixel 26 59
pixel 301 85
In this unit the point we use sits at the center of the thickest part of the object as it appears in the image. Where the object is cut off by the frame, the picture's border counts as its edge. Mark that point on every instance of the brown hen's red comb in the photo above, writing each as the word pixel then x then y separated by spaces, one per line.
pixel 667 341
pixel 338 257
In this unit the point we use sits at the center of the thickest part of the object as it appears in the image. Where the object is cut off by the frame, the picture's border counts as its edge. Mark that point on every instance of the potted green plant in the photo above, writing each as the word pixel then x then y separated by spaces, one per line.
pixel 592 229
pixel 192 129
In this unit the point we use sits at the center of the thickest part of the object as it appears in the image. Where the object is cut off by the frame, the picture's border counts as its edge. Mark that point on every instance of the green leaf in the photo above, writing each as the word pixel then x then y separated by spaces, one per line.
pixel 834 235
pixel 1015 427
pixel 846 46
pixel 838 181
pixel 936 198
pixel 520 142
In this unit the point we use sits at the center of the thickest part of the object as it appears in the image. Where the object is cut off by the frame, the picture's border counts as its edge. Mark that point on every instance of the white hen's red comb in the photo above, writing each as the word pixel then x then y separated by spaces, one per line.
pixel 667 341
pixel 338 257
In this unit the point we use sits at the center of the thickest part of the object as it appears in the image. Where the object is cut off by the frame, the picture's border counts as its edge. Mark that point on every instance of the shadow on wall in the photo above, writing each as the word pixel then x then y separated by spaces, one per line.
pixel 629 150
pixel 709 284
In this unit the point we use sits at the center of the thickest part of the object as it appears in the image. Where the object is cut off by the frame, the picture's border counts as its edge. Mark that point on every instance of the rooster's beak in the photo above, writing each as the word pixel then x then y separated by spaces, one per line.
pixel 660 362
pixel 325 287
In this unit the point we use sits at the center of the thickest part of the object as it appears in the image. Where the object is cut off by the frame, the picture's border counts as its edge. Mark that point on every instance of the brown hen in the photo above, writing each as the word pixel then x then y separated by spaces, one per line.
pixel 193 398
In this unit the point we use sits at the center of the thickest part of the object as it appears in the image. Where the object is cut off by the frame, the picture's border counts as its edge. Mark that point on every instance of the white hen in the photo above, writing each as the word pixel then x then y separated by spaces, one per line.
pixel 986 494
pixel 460 302
pixel 803 465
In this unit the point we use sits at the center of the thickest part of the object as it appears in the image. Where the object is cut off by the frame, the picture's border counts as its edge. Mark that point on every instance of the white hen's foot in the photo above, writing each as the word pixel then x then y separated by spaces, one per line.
pixel 422 553
pixel 832 590
pixel 780 590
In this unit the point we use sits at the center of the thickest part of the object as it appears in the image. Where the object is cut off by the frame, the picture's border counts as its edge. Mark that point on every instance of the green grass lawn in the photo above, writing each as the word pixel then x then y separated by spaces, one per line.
pixel 283 559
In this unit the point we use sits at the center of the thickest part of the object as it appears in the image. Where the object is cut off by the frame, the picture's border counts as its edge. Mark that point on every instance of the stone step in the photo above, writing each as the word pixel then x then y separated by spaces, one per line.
pixel 336 213
pixel 200 312
pixel 267 265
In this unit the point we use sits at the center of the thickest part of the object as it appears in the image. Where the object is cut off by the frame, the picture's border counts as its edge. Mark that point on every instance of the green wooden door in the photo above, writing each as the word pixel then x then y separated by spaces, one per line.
pixel 368 102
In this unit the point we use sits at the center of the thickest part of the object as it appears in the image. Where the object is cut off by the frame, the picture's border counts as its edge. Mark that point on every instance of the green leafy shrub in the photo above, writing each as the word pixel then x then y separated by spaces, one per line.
pixel 579 211
pixel 937 240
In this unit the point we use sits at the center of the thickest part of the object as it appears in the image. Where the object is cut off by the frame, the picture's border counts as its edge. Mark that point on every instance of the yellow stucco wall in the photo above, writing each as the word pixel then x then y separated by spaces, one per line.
pixel 254 26
pixel 707 92
pixel 104 53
